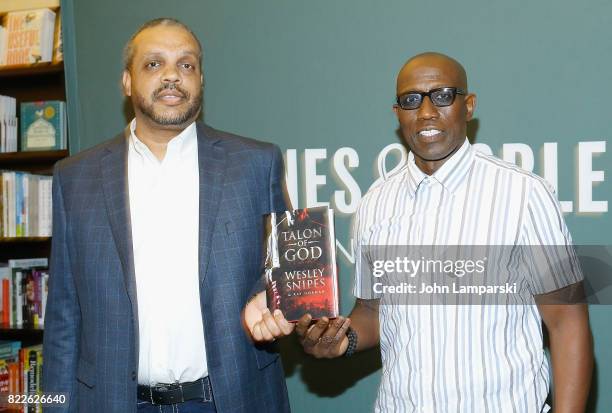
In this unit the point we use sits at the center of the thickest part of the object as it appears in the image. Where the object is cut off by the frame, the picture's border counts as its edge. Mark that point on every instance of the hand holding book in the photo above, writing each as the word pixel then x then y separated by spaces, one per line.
pixel 324 339
pixel 301 280
pixel 261 324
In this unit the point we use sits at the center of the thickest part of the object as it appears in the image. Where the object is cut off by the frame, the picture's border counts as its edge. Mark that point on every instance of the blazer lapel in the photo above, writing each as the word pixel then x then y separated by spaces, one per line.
pixel 211 164
pixel 115 185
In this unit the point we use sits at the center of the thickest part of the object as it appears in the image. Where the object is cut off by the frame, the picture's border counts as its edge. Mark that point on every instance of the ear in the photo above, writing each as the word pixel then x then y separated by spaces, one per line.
pixel 126 81
pixel 470 106
pixel 396 110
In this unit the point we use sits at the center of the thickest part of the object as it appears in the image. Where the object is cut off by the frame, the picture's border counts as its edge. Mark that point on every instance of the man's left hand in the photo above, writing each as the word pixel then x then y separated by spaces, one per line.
pixel 262 325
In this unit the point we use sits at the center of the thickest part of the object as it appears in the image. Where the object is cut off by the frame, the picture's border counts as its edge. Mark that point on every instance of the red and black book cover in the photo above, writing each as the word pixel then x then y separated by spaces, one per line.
pixel 301 264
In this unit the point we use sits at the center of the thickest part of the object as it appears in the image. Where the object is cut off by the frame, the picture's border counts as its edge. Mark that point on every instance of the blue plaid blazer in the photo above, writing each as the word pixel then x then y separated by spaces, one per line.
pixel 90 348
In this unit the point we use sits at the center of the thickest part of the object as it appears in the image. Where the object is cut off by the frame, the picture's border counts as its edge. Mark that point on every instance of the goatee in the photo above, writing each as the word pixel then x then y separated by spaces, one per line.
pixel 170 119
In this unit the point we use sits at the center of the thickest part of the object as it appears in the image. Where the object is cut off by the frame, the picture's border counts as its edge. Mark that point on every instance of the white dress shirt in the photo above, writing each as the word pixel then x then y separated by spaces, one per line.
pixel 164 200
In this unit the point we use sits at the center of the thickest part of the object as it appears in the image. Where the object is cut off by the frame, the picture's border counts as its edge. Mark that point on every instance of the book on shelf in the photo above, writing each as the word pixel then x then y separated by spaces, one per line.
pixel 43 125
pixel 29 36
pixel 20 374
pixel 8 124
pixel 24 284
pixel 300 266
pixel 25 204
pixel 58 42
pixel 9 369
pixel 3 40
pixel 31 367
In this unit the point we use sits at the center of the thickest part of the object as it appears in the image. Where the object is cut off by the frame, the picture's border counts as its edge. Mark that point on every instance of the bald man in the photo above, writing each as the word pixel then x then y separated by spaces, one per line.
pixel 458 358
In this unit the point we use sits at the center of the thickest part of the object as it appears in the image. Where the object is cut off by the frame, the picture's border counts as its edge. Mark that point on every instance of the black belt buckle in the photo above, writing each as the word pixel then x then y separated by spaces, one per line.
pixel 167 394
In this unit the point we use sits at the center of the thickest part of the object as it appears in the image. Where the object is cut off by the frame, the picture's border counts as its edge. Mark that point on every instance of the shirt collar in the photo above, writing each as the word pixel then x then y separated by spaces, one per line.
pixel 180 144
pixel 450 175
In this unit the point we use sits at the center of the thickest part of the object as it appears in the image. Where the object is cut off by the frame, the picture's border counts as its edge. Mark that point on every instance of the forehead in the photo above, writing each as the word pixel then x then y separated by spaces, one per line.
pixel 424 75
pixel 165 39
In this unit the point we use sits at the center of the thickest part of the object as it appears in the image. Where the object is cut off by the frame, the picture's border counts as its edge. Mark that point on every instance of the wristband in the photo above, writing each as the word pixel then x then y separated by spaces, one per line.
pixel 352 342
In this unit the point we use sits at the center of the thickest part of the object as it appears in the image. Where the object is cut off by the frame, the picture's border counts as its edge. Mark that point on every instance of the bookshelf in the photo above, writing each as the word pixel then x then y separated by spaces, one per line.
pixel 41 81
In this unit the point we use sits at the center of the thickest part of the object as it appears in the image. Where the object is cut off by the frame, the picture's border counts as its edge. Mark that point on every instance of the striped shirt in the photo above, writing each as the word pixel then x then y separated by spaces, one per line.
pixel 461 358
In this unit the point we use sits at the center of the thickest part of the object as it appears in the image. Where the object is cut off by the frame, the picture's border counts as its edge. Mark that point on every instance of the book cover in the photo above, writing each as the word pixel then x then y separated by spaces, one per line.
pixel 9 349
pixel 5 384
pixel 9 384
pixel 17 299
pixel 5 277
pixel 44 287
pixel 23 290
pixel 9 199
pixel 3 38
pixel 43 126
pixel 19 205
pixel 301 264
pixel 6 301
pixel 58 43
pixel 30 303
pixel 29 36
pixel 45 205
pixel 8 124
pixel 31 363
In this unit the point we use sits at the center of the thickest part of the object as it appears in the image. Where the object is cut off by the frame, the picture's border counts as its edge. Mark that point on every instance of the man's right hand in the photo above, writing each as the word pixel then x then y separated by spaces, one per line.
pixel 324 339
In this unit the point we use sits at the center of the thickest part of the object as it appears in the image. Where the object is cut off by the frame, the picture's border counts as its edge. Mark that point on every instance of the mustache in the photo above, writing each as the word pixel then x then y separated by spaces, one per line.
pixel 171 86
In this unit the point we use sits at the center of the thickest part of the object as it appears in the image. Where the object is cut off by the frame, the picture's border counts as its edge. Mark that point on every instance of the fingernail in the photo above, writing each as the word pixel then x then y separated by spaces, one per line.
pixel 277 313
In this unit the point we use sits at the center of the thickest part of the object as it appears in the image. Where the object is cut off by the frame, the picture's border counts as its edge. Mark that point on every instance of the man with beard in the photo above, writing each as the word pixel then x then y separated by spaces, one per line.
pixel 157 240
pixel 485 357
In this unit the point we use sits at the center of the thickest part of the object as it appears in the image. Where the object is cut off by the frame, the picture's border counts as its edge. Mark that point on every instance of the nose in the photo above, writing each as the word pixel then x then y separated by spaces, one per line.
pixel 171 74
pixel 427 110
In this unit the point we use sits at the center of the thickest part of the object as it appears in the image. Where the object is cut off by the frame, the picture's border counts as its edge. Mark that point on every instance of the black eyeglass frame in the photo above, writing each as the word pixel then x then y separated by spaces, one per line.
pixel 455 91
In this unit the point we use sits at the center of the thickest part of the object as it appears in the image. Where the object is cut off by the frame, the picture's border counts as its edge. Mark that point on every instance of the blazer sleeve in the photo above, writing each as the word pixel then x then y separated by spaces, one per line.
pixel 277 203
pixel 62 316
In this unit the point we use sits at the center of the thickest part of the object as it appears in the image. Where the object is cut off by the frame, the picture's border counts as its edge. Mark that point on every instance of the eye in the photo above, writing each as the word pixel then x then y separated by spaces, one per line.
pixel 187 66
pixel 410 100
pixel 443 97
pixel 153 64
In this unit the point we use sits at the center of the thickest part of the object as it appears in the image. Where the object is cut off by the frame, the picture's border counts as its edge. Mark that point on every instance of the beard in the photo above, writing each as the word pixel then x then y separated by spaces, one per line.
pixel 147 108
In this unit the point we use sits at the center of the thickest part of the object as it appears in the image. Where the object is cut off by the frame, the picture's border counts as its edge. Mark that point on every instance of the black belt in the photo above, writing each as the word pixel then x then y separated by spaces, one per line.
pixel 176 392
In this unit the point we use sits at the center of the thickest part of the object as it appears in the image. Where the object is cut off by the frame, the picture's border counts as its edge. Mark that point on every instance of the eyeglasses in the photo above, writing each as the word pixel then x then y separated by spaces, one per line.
pixel 440 97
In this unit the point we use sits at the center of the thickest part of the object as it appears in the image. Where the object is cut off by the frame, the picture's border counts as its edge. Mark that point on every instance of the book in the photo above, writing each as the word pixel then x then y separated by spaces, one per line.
pixel 8 124
pixel 31 368
pixel 9 362
pixel 44 292
pixel 9 349
pixel 3 38
pixel 5 293
pixel 58 43
pixel 27 290
pixel 25 204
pixel 29 36
pixel 43 125
pixel 300 266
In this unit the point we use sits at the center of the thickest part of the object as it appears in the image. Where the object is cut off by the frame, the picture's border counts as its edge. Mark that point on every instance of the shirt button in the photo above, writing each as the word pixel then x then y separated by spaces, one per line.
pixel 133 376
